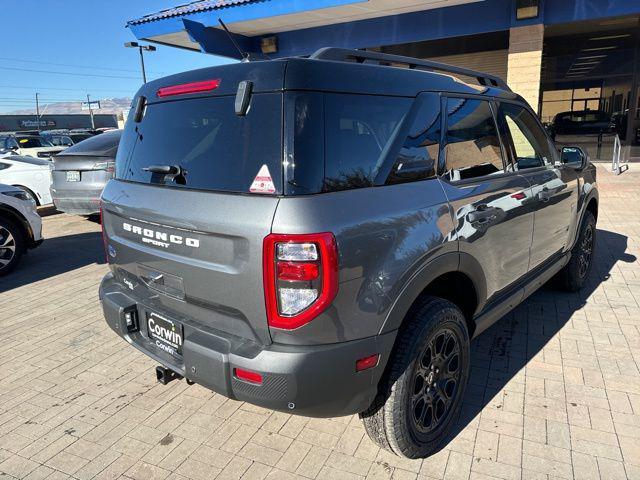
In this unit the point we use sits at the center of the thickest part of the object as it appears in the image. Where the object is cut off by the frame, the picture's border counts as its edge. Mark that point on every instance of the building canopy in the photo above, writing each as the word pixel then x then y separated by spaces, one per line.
pixel 298 27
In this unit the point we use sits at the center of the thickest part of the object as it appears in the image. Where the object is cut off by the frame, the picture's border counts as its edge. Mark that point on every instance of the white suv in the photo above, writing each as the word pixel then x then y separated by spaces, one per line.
pixel 31 145
pixel 20 226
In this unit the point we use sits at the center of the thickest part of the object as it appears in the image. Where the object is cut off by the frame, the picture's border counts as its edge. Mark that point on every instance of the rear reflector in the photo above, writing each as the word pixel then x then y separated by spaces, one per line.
pixel 248 376
pixel 194 87
pixel 367 362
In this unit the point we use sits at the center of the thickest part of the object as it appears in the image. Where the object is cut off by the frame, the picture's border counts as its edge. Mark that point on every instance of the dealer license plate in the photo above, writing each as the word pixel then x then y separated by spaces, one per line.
pixel 167 334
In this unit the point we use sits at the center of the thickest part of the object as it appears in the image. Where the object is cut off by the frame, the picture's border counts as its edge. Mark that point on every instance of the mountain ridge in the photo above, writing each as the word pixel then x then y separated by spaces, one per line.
pixel 107 105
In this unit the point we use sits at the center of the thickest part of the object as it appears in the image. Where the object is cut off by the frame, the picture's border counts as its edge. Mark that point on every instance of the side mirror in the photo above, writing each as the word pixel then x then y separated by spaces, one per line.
pixel 574 157
pixel 15 148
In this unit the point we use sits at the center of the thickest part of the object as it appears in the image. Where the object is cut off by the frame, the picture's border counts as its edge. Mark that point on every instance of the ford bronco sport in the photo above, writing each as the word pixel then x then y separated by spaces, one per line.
pixel 325 235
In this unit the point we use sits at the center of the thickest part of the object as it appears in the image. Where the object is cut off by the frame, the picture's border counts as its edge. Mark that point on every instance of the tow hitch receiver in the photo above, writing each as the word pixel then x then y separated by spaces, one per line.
pixel 164 375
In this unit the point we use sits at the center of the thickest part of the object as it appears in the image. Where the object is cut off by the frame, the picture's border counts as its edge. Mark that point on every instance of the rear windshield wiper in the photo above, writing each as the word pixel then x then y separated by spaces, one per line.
pixel 169 172
pixel 164 169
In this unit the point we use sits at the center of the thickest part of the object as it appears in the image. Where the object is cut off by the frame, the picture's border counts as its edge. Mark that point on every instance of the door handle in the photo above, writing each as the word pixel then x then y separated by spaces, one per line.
pixel 482 214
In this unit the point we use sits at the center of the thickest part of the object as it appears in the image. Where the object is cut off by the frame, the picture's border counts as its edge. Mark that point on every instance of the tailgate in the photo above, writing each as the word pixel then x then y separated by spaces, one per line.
pixel 195 255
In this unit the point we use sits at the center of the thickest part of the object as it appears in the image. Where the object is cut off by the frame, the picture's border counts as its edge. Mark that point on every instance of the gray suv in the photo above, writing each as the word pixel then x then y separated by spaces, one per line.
pixel 325 235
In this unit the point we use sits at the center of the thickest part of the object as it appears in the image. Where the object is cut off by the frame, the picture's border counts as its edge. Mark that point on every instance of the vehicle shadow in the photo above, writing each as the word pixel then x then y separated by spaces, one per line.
pixel 500 354
pixel 55 256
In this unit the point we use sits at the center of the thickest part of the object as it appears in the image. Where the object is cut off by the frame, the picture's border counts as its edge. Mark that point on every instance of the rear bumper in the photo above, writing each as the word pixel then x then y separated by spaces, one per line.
pixel 317 380
pixel 89 205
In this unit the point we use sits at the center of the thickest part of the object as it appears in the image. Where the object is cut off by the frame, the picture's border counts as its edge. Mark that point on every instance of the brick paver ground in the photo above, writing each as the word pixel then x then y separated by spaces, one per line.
pixel 555 386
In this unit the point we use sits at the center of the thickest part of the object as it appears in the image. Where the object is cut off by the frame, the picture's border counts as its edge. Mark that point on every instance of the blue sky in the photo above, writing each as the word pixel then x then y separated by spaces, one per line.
pixel 69 35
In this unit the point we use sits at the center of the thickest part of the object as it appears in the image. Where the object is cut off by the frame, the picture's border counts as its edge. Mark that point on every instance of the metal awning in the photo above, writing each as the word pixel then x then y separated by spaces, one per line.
pixel 195 25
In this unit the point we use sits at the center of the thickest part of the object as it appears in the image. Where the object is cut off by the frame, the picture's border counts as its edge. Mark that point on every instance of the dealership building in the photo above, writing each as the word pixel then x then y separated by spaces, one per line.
pixel 21 123
pixel 578 58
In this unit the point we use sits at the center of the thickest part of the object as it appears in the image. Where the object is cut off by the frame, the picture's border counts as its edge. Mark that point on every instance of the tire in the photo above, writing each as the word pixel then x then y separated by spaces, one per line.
pixel 391 420
pixel 12 245
pixel 572 277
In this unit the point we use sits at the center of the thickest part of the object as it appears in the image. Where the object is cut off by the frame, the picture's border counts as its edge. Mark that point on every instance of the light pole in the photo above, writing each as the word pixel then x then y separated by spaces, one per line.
pixel 148 48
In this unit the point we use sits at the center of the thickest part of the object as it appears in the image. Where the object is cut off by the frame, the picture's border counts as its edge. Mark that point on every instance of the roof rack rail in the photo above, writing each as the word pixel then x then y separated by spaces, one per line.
pixel 360 56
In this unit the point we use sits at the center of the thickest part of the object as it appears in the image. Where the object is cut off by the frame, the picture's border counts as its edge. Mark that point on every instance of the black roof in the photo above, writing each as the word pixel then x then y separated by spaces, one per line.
pixel 340 70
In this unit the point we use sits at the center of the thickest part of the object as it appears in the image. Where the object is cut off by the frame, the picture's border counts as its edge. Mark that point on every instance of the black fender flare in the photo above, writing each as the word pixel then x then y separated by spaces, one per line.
pixel 427 273
pixel 592 195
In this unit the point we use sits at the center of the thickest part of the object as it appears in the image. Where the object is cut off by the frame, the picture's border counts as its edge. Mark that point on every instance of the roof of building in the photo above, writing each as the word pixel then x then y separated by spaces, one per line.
pixel 193 7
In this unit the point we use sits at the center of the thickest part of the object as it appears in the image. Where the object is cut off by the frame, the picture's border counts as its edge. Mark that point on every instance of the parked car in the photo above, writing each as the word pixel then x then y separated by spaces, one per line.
pixel 31 145
pixel 585 122
pixel 60 140
pixel 300 241
pixel 33 175
pixel 81 172
pixel 20 226
pixel 66 138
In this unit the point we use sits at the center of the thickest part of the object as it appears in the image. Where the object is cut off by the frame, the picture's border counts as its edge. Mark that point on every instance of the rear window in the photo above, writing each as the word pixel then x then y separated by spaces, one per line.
pixel 218 149
pixel 104 144
pixel 79 138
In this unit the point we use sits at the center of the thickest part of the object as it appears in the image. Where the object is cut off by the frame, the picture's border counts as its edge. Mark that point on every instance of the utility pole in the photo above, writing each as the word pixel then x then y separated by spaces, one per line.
pixel 89 103
pixel 37 113
pixel 93 125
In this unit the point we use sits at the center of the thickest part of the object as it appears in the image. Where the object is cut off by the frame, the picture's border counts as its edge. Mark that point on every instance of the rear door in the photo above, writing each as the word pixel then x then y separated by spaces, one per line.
pixel 189 245
pixel 494 224
pixel 554 187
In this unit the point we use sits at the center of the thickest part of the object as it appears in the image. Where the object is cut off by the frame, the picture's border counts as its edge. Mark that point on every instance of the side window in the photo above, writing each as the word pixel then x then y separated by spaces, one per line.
pixel 358 129
pixel 524 138
pixel 11 143
pixel 472 141
pixel 418 155
pixel 4 166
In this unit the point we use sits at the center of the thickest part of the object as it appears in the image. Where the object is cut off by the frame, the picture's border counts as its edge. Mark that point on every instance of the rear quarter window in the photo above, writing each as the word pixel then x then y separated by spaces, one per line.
pixel 219 150
pixel 358 129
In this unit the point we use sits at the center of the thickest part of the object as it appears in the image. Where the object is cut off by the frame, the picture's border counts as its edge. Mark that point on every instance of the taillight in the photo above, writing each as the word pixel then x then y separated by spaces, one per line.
pixel 300 277
pixel 193 87
pixel 109 167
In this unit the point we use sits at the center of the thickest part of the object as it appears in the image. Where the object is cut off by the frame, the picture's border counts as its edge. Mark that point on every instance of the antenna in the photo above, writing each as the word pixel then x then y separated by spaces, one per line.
pixel 244 55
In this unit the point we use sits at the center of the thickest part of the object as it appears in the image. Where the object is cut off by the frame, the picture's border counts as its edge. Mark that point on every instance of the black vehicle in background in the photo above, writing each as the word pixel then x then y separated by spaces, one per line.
pixel 81 172
pixel 67 138
pixel 584 122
